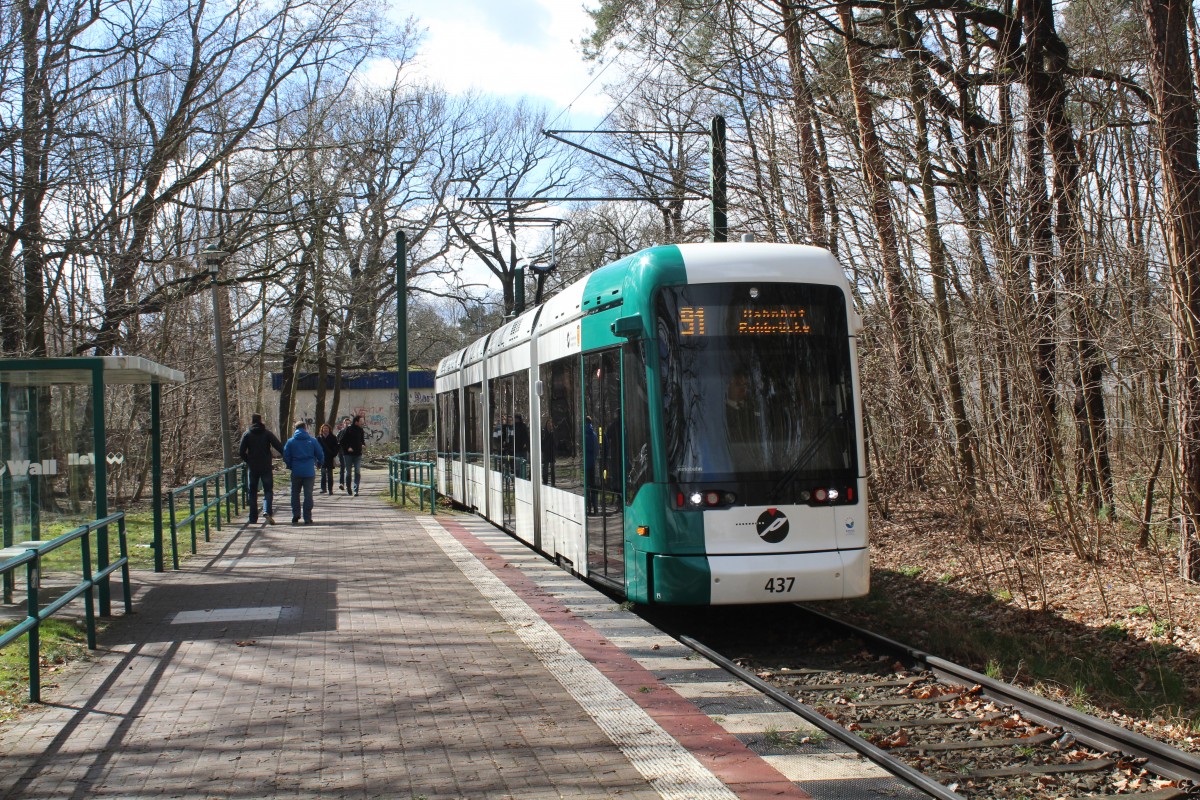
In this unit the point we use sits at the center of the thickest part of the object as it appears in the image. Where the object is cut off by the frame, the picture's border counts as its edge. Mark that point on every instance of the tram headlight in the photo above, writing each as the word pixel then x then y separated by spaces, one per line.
pixel 712 498
pixel 696 499
pixel 833 495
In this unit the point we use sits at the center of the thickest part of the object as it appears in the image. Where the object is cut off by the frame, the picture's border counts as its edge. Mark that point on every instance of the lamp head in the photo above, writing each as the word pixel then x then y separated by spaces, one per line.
pixel 211 258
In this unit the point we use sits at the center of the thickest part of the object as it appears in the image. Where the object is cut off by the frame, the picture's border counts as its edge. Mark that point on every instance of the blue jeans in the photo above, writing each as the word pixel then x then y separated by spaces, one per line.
pixel 351 464
pixel 306 484
pixel 327 476
pixel 253 478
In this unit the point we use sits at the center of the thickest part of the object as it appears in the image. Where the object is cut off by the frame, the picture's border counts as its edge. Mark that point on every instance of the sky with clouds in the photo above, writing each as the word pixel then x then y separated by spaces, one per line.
pixel 511 48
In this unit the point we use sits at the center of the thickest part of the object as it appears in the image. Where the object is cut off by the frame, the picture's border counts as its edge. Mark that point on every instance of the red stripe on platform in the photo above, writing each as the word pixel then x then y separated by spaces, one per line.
pixel 736 765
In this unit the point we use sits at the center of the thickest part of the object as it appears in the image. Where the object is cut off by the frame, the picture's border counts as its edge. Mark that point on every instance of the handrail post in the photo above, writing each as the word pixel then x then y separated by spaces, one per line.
pixel 237 491
pixel 227 495
pixel 123 544
pixel 89 608
pixel 192 508
pixel 204 501
pixel 174 530
pixel 33 571
pixel 433 488
pixel 218 498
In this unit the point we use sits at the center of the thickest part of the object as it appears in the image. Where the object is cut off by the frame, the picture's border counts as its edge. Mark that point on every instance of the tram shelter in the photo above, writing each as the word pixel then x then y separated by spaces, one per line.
pixel 54 445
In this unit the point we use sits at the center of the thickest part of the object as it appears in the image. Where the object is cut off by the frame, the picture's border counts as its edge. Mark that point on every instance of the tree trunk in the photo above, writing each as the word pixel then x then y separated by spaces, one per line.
pixel 1175 119
pixel 900 311
pixel 1040 245
pixel 802 110
pixel 964 449
pixel 33 191
pixel 291 354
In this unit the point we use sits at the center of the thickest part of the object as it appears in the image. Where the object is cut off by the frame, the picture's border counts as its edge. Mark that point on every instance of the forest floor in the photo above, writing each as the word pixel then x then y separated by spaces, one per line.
pixel 1118 637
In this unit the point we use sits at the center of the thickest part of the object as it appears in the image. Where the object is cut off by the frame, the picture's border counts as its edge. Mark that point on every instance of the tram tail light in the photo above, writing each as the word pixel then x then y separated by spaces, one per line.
pixel 828 496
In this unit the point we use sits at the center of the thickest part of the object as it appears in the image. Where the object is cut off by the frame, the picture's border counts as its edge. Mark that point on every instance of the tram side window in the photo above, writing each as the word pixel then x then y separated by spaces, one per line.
pixel 473 413
pixel 639 468
pixel 447 431
pixel 521 423
pixel 561 424
pixel 500 403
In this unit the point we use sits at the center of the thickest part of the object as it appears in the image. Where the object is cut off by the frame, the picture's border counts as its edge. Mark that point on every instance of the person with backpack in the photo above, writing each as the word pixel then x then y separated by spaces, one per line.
pixel 353 440
pixel 303 455
pixel 255 450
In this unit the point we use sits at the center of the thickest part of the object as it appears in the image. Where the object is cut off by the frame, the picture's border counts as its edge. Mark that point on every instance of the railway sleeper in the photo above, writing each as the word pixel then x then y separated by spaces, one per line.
pixel 1160 794
pixel 1093 765
pixel 1018 741
pixel 905 701
pixel 837 687
pixel 931 721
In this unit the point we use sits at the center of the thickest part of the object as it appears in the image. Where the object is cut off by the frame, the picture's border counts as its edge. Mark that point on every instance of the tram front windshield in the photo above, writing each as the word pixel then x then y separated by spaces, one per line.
pixel 757 388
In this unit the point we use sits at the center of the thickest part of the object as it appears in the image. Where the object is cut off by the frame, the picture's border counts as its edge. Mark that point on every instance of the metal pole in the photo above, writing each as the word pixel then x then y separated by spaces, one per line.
pixel 222 392
pixel 402 341
pixel 100 470
pixel 720 220
pixel 6 487
pixel 156 471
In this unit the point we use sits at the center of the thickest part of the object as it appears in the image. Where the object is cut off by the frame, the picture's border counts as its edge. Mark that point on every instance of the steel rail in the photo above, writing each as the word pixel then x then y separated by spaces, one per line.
pixel 1162 759
pixel 872 753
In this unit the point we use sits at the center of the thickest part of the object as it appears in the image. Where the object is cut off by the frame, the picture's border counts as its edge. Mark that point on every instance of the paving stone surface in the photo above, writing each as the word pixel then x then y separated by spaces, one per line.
pixel 346 659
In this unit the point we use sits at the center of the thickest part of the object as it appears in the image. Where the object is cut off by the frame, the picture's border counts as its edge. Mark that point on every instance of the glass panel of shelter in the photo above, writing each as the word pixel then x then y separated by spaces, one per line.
pixel 47 463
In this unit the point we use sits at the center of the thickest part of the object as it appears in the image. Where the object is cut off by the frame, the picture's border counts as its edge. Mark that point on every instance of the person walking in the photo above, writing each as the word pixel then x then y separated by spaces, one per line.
pixel 303 454
pixel 329 444
pixel 341 428
pixel 255 451
pixel 353 441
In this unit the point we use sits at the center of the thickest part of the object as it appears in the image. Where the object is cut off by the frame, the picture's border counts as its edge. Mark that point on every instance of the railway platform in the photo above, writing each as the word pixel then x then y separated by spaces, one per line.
pixel 383 653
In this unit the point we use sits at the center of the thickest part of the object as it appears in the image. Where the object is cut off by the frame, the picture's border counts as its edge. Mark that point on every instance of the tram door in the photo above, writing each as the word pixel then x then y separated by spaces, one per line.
pixel 604 477
pixel 503 454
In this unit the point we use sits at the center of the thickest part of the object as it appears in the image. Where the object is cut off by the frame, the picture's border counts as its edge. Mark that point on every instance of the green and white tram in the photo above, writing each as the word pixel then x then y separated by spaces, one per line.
pixel 682 425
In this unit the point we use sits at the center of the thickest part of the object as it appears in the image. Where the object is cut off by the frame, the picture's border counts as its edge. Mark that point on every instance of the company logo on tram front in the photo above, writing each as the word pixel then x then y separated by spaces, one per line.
pixel 772 525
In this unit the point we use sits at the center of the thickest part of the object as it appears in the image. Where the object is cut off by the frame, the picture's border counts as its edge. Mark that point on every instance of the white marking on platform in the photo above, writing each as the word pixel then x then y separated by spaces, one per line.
pixel 258 614
pixel 779 721
pixel 826 767
pixel 631 640
pixel 714 689
pixel 623 624
pixel 669 767
pixel 671 661
pixel 256 561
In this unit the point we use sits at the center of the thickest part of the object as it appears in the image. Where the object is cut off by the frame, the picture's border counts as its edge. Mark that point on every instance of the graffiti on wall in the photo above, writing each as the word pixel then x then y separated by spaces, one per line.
pixel 377 407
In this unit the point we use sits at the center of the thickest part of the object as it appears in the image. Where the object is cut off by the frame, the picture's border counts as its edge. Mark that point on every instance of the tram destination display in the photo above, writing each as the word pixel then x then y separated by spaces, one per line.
pixel 758 321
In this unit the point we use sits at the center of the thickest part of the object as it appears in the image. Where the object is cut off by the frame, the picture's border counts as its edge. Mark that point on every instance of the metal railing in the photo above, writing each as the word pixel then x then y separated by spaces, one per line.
pixel 232 495
pixel 31 559
pixel 418 470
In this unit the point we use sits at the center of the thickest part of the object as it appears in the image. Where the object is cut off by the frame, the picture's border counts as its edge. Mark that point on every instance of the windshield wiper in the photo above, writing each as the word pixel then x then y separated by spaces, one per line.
pixel 806 455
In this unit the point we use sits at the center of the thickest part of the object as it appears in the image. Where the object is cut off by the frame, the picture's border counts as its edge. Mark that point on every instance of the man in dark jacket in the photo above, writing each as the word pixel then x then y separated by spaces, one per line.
pixel 255 450
pixel 303 454
pixel 353 440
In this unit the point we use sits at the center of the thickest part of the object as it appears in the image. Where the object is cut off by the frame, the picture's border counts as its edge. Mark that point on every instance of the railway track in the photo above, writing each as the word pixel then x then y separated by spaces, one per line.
pixel 947 730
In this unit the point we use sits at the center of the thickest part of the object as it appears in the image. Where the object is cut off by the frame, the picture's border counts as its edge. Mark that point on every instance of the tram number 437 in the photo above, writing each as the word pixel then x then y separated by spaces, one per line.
pixel 783 585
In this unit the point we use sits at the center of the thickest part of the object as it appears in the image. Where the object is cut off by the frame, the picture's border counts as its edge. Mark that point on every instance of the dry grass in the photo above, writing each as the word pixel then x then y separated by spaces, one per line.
pixel 1119 637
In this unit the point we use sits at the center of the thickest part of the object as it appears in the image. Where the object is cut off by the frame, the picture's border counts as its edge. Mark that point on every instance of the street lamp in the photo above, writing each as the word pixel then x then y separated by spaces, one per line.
pixel 212 258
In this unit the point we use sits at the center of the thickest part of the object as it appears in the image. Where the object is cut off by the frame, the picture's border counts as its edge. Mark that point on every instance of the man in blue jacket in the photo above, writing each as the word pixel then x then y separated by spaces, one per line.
pixel 303 454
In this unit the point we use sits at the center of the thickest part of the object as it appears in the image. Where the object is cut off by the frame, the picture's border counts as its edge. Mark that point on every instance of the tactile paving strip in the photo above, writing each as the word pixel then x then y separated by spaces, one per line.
pixel 822 767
